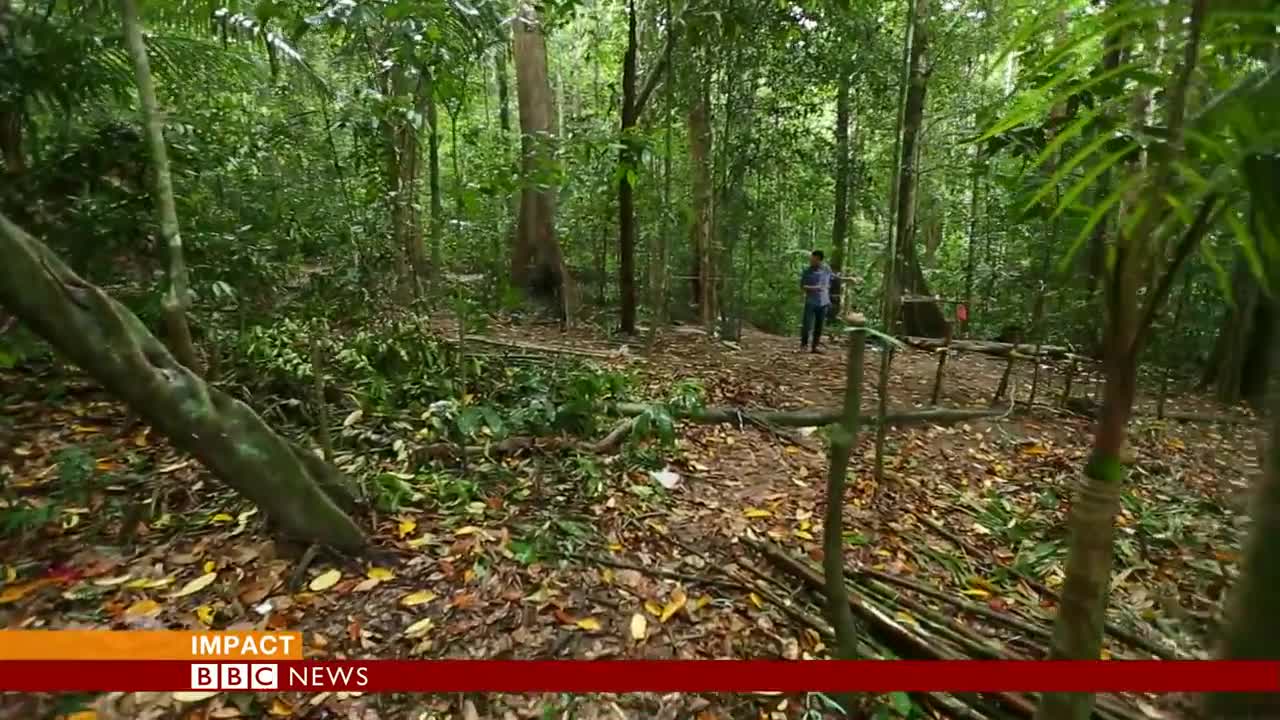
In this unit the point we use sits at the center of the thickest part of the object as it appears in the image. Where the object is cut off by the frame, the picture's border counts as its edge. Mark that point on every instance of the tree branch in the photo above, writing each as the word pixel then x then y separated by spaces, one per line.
pixel 1195 232
pixel 657 73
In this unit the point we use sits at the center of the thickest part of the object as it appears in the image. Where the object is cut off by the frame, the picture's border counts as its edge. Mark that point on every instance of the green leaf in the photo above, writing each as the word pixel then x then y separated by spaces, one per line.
pixel 1067 167
pixel 1248 247
pixel 901 702
pixel 1086 182
pixel 1063 137
pixel 1100 212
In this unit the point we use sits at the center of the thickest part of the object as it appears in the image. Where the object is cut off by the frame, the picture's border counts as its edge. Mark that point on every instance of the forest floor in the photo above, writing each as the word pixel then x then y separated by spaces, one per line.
pixel 523 563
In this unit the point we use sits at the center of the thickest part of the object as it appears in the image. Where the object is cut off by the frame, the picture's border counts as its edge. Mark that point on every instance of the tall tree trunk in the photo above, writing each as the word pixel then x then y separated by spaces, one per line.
pixel 404 163
pixel 840 223
pixel 970 266
pixel 633 103
pixel 177 297
pixel 628 159
pixel 433 178
pixel 537 263
pixel 504 124
pixel 296 489
pixel 13 113
pixel 919 318
pixel 700 230
pixel 1237 367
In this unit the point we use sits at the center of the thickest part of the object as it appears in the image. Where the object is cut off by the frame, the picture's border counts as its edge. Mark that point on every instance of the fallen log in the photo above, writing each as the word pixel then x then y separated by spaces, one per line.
pixel 535 347
pixel 997 349
pixel 816 417
pixel 303 495
pixel 513 445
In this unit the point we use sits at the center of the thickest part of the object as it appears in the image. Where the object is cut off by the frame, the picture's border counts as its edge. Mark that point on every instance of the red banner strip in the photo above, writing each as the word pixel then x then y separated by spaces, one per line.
pixel 580 676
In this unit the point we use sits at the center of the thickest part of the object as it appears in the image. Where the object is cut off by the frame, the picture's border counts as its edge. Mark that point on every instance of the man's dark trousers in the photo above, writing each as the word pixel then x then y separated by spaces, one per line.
pixel 811 326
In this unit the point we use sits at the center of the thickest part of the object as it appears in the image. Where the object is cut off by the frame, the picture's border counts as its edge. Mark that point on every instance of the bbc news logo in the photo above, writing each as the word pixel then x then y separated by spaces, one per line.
pixel 235 676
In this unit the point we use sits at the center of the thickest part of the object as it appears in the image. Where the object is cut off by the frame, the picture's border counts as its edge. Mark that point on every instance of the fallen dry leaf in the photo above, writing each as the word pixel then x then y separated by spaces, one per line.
pixel 325 580
pixel 192 696
pixel 13 593
pixel 195 585
pixel 420 628
pixel 674 605
pixel 639 626
pixel 204 614
pixel 143 608
pixel 417 598
pixel 589 624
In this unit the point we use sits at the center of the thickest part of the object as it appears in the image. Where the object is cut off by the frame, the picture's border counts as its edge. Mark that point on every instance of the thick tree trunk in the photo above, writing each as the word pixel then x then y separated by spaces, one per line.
pixel 1238 367
pixel 1254 629
pixel 704 284
pixel 177 297
pixel 537 263
pixel 840 222
pixel 293 486
pixel 919 318
pixel 404 163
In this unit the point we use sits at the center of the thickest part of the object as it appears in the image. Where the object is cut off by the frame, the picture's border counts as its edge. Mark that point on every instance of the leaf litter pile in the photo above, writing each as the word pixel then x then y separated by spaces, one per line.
pixel 711 550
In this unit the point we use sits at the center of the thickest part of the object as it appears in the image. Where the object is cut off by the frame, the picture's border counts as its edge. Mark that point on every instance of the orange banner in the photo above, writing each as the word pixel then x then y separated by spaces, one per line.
pixel 148 645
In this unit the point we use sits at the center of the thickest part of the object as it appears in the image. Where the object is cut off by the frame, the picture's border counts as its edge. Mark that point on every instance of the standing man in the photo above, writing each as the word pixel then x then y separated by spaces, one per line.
pixel 815 280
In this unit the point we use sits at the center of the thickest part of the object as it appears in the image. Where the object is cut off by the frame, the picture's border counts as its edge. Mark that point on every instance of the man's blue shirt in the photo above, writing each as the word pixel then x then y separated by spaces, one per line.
pixel 820 276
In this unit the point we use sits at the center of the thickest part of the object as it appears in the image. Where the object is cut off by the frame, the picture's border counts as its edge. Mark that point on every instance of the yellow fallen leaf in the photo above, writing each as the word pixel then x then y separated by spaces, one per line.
pixel 143 608
pixel 420 628
pixel 10 573
pixel 417 598
pixel 280 708
pixel 380 574
pixel 756 513
pixel 468 530
pixel 192 696
pixel 140 440
pixel 652 608
pixel 149 583
pixel 210 566
pixel 366 585
pixel 802 534
pixel 676 602
pixel 755 600
pixel 17 592
pixel 615 547
pixel 406 526
pixel 325 580
pixel 702 602
pixel 204 614
pixel 418 542
pixel 791 450
pixel 639 626
pixel 1036 449
pixel 220 519
pixel 196 585
pixel 589 624
pixel 977 592
pixel 606 575
pixel 83 715
pixel 1105 654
